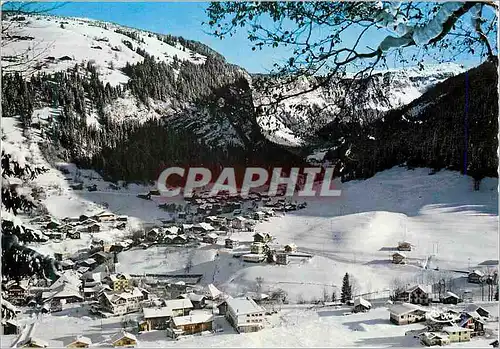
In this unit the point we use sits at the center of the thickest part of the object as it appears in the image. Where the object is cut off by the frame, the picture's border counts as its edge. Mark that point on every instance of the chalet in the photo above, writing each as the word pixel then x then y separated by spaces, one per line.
pixel 179 239
pixel 431 339
pixel 245 315
pixel 476 311
pixel 182 215
pixel 257 248
pixel 121 303
pixel 238 222
pixel 153 234
pixel 186 228
pixel 95 291
pixel 124 339
pixel 253 257
pixel 290 248
pixel 282 258
pixel 93 228
pixel 179 307
pixel 100 257
pixel 196 323
pixel 475 323
pixel 262 237
pixel 35 343
pixel 73 235
pixel 80 342
pixel 210 238
pixel 52 225
pixel 70 219
pixel 104 217
pixel 203 227
pixel 62 295
pixel 451 298
pixel 83 218
pixel 403 314
pixel 361 305
pixel 17 293
pixel 475 277
pixel 172 230
pixel 156 318
pixel 404 246
pixel 118 282
pixel 197 300
pixel 457 334
pixel 231 243
pixel 398 258
pixel 10 327
pixel 418 294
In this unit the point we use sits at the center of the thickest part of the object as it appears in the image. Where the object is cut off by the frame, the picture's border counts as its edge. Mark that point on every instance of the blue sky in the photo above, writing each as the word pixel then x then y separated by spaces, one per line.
pixel 184 19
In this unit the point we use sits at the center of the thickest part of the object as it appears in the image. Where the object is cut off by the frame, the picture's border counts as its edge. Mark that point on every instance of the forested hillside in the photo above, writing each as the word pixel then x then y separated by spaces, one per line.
pixel 453 125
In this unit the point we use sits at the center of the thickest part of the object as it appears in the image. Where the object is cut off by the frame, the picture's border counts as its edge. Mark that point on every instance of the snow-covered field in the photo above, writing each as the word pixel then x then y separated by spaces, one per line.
pixel 439 214
pixel 298 326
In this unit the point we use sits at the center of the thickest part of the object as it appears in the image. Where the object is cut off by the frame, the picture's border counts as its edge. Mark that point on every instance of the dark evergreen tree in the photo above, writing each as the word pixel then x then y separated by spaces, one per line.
pixel 346 293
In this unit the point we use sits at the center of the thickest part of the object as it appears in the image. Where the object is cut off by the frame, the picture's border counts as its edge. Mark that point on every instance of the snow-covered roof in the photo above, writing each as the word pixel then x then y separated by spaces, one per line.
pixel 399 254
pixel 243 306
pixel 214 291
pixel 121 335
pixel 89 261
pixel 473 308
pixel 151 313
pixel 477 272
pixel 456 329
pixel 240 218
pixel 401 309
pixel 37 342
pixel 192 319
pixel 179 304
pixel 82 339
pixel 193 297
pixel 423 288
pixel 451 294
pixel 206 226
pixel 363 302
pixel 212 236
pixel 172 230
pixel 64 291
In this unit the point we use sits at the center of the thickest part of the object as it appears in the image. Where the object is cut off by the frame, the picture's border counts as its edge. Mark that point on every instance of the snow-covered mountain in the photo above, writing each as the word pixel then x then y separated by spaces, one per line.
pixel 385 90
pixel 49 44
pixel 53 44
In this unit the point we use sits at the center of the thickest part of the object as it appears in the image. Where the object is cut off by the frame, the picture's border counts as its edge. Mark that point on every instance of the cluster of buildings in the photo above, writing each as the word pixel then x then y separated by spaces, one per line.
pixel 441 327
pixel 74 227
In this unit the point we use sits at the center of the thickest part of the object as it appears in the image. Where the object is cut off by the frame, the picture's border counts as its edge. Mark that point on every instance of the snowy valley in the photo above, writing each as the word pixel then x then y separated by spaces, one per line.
pixel 406 256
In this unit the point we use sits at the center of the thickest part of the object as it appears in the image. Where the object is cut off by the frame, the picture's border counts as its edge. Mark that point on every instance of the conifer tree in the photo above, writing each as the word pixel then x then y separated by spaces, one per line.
pixel 346 294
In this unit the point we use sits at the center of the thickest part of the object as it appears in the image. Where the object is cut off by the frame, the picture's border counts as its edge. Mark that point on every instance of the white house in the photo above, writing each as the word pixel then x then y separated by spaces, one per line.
pixel 179 307
pixel 245 315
